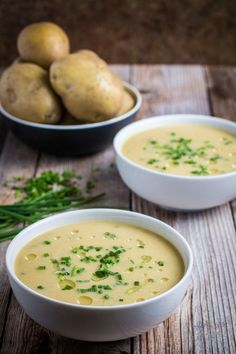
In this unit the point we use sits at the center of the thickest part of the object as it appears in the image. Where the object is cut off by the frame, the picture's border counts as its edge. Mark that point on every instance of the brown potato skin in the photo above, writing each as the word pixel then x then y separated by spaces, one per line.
pixel 25 92
pixel 127 103
pixel 42 43
pixel 88 88
pixel 68 119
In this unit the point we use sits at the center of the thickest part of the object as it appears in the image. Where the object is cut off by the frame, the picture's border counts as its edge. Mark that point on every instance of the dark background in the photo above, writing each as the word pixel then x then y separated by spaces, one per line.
pixel 132 31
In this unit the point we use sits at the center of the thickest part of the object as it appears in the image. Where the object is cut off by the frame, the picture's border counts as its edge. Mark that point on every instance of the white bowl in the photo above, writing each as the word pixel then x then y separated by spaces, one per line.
pixel 98 323
pixel 171 191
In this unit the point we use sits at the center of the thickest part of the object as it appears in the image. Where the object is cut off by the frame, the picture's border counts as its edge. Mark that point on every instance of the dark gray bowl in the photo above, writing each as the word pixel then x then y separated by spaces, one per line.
pixel 72 140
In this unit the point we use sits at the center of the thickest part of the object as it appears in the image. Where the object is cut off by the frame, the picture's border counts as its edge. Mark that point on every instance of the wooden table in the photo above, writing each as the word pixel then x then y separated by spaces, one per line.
pixel 205 321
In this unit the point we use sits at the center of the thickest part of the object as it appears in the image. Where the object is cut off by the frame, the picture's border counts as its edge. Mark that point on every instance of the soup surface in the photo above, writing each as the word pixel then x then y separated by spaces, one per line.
pixel 187 150
pixel 99 263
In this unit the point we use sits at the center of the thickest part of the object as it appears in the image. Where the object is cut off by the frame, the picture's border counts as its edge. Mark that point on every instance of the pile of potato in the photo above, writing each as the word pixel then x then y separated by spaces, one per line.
pixel 49 85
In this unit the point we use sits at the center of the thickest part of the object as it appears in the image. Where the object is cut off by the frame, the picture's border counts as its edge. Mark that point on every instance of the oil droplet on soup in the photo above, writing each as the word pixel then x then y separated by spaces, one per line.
pixel 30 256
pixel 85 300
pixel 104 270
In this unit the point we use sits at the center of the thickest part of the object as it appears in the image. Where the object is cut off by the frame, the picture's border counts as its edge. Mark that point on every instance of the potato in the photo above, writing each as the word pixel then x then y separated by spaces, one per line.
pixel 88 88
pixel 68 119
pixel 25 92
pixel 126 104
pixel 42 43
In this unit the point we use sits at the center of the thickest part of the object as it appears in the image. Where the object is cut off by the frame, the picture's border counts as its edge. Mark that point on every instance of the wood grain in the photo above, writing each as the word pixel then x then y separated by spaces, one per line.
pixel 205 321
pixel 222 96
pixel 22 335
pixel 16 160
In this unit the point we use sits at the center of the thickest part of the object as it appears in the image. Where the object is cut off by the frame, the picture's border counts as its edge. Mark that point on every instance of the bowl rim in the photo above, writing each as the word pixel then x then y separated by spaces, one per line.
pixel 168 228
pixel 168 118
pixel 134 91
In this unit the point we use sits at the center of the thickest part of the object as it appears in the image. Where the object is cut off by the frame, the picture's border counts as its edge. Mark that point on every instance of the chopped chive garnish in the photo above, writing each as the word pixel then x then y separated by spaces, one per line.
pixel 54 261
pixel 95 289
pixel 40 287
pixel 97 249
pixel 140 244
pixel 227 141
pixel 160 263
pixel 83 281
pixel 88 259
pixel 76 270
pixel 152 161
pixel 215 158
pixel 136 283
pixel 110 235
pixel 65 261
pixel 41 267
pixel 203 170
pixel 67 287
pixel 46 255
pixel 46 242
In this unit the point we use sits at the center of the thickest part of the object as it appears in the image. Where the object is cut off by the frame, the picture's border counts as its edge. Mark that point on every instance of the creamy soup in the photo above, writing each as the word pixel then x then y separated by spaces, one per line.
pixel 188 150
pixel 99 263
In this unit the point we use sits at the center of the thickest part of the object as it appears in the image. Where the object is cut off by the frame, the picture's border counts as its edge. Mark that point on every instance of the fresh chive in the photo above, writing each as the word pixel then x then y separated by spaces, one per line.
pixel 110 235
pixel 76 270
pixel 40 287
pixel 41 267
pixel 67 287
pixel 65 261
pixel 42 195
pixel 160 263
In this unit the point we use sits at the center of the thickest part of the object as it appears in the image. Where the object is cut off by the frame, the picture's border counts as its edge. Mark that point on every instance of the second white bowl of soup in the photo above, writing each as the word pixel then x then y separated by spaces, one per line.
pixel 181 162
pixel 99 275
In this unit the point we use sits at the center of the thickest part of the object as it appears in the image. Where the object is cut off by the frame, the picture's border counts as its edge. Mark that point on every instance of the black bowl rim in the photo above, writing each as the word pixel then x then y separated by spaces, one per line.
pixel 134 91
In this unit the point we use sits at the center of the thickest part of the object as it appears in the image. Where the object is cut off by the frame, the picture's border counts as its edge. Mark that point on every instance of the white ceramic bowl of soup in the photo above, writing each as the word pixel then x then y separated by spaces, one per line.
pixel 175 192
pixel 99 323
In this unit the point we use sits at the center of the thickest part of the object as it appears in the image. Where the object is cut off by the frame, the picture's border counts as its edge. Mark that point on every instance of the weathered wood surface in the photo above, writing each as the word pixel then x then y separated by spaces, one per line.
pixel 205 321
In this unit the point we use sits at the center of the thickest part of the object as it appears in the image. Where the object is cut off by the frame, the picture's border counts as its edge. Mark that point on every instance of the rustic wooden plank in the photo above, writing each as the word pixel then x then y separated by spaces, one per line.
pixel 203 323
pixel 221 82
pixel 205 320
pixel 3 133
pixel 16 160
pixel 23 335
pixel 3 127
pixel 222 94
